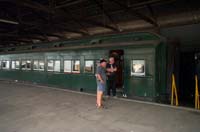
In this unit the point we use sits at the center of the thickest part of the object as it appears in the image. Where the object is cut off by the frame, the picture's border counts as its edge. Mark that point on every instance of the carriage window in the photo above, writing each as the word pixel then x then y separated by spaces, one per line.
pixel 50 65
pixel 53 65
pixel 68 66
pixel 41 65
pixel 26 65
pixel 89 66
pixel 17 64
pixel 38 65
pixel 5 64
pixel 76 66
pixel 57 66
pixel 23 65
pixel 35 65
pixel 13 65
pixel 138 68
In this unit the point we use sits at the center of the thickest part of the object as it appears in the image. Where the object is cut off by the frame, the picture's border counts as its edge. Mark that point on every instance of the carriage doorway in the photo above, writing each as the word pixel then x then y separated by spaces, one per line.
pixel 119 61
pixel 187 79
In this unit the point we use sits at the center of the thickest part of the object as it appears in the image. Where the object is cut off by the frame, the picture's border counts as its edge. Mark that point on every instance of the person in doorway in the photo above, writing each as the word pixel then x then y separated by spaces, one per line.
pixel 101 81
pixel 111 69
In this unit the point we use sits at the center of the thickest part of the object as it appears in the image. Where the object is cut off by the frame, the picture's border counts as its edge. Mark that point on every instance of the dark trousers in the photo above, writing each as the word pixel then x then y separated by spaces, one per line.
pixel 111 86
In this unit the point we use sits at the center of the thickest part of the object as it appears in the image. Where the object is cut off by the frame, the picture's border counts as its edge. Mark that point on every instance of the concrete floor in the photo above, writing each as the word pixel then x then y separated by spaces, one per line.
pixel 29 108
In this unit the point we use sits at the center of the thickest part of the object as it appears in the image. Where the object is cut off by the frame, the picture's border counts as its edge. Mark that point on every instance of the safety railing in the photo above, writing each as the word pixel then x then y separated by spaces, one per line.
pixel 174 92
pixel 197 105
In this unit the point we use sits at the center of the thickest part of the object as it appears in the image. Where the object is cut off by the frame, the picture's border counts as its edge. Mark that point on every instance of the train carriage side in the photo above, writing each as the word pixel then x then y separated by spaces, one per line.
pixel 142 66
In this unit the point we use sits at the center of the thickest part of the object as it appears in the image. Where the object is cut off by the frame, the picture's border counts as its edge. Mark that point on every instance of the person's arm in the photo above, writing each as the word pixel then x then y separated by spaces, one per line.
pixel 98 75
pixel 100 78
pixel 108 69
pixel 115 69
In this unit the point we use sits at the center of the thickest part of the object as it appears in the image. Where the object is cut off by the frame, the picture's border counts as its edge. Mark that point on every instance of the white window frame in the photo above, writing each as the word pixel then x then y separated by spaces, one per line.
pixel 54 64
pixel 39 62
pixel 7 65
pixel 50 70
pixel 13 64
pixel 23 62
pixel 73 61
pixel 17 65
pixel 37 66
pixel 140 63
pixel 55 67
pixel 26 62
pixel 92 66
pixel 68 69
pixel 27 65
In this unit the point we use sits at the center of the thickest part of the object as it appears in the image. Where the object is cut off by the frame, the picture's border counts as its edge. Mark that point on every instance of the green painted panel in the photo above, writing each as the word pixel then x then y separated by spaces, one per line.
pixel 142 87
pixel 150 86
pixel 161 73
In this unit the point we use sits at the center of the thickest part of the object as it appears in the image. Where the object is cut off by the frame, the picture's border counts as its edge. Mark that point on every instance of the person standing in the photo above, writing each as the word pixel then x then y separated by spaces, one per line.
pixel 111 69
pixel 101 81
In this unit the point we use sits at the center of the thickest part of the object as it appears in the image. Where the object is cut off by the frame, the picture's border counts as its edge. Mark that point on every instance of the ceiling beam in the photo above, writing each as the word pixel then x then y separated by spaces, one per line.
pixel 99 24
pixel 21 36
pixel 63 27
pixel 136 6
pixel 134 12
pixel 100 5
pixel 67 4
pixel 17 40
pixel 77 21
pixel 152 12
pixel 8 35
pixel 48 34
pixel 9 21
pixel 90 22
pixel 34 5
pixel 42 28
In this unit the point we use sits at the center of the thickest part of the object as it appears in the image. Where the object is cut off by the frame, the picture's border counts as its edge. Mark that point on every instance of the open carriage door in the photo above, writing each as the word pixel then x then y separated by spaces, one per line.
pixel 119 61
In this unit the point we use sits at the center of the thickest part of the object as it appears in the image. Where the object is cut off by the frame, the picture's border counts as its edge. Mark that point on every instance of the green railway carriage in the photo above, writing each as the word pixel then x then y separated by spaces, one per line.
pixel 140 57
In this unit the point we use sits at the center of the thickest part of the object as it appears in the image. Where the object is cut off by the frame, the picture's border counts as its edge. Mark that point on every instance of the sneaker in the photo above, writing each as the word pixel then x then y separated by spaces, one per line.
pixel 102 107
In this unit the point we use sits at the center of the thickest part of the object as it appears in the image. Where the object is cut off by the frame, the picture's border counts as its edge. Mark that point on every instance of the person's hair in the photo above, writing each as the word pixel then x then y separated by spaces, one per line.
pixel 102 60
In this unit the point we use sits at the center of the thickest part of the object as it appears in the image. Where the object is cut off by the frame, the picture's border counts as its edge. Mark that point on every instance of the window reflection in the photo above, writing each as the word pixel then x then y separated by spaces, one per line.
pixel 68 66
pixel 138 68
pixel 5 64
pixel 76 66
pixel 89 66
pixel 50 65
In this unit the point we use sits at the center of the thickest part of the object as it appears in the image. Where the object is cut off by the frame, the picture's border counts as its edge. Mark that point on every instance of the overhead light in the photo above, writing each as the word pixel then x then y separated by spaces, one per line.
pixel 8 21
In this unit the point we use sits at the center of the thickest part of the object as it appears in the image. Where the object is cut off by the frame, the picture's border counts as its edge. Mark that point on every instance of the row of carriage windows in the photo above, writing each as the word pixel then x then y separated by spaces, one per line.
pixel 70 66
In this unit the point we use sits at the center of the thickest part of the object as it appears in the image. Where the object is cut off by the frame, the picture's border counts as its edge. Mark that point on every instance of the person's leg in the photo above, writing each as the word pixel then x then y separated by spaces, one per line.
pixel 99 99
pixel 98 102
pixel 113 87
pixel 108 88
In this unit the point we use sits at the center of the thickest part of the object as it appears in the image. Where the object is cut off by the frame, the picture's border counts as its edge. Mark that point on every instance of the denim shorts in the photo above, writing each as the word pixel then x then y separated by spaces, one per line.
pixel 101 87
